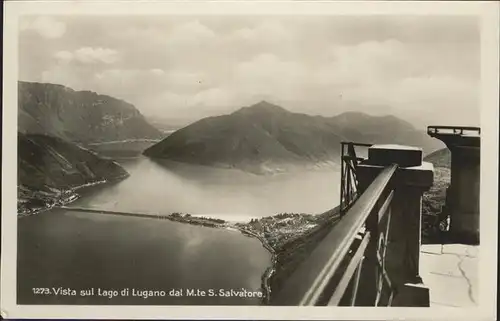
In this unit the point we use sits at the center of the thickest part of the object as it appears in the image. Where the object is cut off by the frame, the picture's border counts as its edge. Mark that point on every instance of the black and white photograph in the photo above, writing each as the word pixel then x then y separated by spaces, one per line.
pixel 258 158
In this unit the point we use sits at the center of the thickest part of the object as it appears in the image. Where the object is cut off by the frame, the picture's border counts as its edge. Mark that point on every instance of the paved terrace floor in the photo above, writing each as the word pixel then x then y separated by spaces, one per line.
pixel 450 271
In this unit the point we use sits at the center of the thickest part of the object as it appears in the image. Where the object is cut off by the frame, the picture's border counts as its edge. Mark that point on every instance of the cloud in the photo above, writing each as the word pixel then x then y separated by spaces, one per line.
pixel 61 74
pixel 64 56
pixel 157 71
pixel 185 80
pixel 268 33
pixel 267 74
pixel 202 65
pixel 90 55
pixel 393 72
pixel 213 97
pixel 189 34
pixel 47 27
pixel 151 81
pixel 204 102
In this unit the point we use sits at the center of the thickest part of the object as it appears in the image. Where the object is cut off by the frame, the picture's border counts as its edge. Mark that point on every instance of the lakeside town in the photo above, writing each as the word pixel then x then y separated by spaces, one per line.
pixel 33 202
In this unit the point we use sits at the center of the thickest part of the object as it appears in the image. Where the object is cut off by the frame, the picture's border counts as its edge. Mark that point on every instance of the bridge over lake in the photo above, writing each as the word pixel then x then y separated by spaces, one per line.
pixel 103 211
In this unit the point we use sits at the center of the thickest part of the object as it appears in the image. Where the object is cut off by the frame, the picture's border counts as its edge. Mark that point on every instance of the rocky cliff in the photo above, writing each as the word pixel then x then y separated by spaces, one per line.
pixel 79 116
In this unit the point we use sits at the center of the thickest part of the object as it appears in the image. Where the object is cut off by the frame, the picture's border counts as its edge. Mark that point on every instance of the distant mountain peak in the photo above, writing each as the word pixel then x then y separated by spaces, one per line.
pixel 262 107
pixel 264 136
pixel 265 104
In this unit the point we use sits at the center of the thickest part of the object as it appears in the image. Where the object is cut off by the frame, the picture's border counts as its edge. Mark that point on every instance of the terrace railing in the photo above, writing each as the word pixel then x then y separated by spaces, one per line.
pixel 353 265
pixel 349 181
pixel 454 130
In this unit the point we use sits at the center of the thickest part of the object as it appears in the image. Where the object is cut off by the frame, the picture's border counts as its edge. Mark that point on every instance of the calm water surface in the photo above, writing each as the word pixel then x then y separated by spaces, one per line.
pixel 84 251
pixel 163 188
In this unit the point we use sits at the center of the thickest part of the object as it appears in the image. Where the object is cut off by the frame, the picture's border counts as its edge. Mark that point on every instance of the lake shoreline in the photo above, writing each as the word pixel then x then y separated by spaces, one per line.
pixel 268 273
pixel 277 244
pixel 259 170
pixel 62 198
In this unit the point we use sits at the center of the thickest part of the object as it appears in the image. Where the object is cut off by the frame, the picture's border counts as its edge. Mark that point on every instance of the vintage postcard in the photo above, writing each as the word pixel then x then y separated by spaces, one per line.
pixel 252 160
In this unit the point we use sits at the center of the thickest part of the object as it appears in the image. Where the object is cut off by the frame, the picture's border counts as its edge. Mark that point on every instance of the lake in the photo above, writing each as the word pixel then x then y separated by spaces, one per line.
pixel 166 187
pixel 99 255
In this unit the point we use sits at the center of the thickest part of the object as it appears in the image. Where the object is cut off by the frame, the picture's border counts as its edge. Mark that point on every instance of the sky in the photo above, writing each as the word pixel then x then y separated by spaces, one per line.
pixel 424 69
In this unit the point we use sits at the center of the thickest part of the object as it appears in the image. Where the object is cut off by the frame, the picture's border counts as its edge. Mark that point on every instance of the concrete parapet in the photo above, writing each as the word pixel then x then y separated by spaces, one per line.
pixel 404 156
pixel 411 180
pixel 462 196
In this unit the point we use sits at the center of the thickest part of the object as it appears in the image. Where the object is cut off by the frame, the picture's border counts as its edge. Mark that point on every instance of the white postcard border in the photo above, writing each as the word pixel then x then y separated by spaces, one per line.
pixel 489 13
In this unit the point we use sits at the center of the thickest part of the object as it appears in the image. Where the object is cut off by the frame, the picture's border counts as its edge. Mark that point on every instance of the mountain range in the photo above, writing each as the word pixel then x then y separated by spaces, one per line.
pixel 78 116
pixel 265 136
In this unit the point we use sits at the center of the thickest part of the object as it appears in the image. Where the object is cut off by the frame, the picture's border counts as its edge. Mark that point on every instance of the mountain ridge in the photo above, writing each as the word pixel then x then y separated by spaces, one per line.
pixel 79 116
pixel 261 135
pixel 50 168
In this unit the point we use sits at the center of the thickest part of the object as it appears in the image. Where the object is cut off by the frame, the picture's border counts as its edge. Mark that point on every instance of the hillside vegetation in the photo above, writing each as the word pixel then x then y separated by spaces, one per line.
pixel 434 199
pixel 49 169
pixel 440 158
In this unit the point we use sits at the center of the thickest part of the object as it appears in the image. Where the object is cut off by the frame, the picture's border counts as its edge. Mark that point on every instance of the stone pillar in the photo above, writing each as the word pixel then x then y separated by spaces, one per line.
pixel 410 181
pixel 462 196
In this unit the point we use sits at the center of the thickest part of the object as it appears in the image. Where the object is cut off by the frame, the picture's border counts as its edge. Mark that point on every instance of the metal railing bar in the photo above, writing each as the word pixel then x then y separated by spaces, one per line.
pixel 378 186
pixel 348 206
pixel 434 127
pixel 342 179
pixel 389 303
pixel 353 158
pixel 380 283
pixel 350 270
pixel 387 282
pixel 386 236
pixel 347 183
pixel 384 273
pixel 351 167
pixel 356 282
pixel 385 207
pixel 357 144
pixel 380 287
pixel 354 197
pixel 382 258
pixel 306 284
